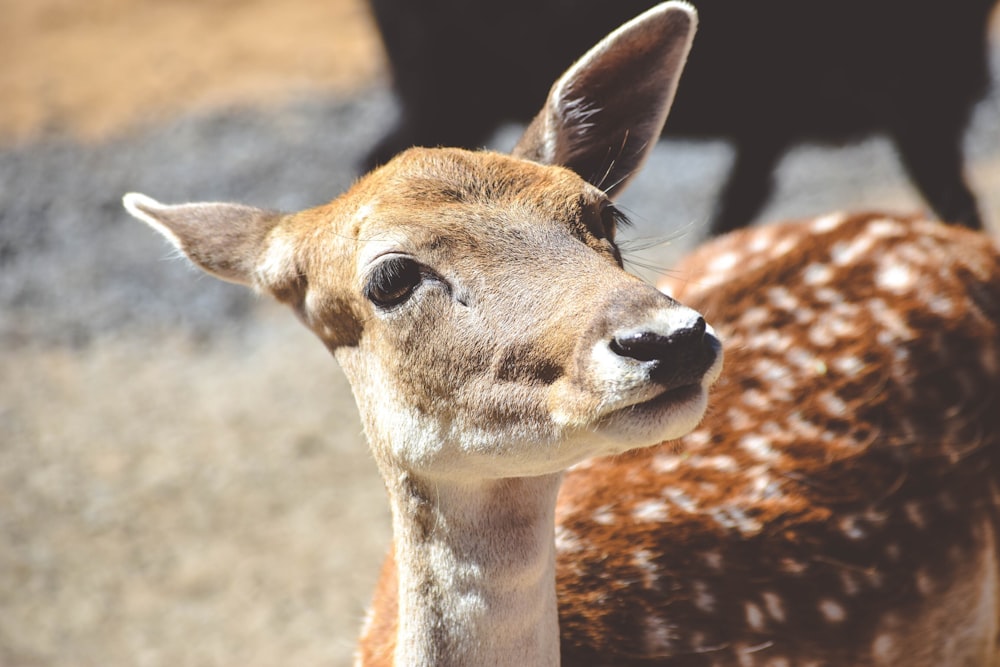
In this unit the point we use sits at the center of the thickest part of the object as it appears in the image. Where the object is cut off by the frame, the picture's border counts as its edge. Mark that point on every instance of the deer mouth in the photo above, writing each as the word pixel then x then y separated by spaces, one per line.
pixel 675 396
pixel 673 404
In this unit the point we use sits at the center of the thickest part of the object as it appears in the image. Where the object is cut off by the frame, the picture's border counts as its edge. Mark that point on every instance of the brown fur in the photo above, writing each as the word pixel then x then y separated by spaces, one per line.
pixel 859 526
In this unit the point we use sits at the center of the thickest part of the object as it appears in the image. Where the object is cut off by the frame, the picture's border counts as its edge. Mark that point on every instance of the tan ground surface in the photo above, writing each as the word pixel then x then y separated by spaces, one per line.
pixel 96 66
pixel 166 502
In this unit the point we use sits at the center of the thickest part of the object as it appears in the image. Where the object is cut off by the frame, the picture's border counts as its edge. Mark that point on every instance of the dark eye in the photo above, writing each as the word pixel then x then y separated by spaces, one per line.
pixel 392 282
pixel 612 218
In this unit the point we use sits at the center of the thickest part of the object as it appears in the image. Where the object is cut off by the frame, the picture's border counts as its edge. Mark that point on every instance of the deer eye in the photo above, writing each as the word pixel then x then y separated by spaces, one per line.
pixel 613 219
pixel 392 282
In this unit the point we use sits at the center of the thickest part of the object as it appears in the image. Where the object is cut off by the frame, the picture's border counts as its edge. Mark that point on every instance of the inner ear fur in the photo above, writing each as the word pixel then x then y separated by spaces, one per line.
pixel 603 116
pixel 230 241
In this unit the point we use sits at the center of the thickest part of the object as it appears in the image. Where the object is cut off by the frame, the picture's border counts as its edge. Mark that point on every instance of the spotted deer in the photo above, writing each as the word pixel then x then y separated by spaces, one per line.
pixel 523 397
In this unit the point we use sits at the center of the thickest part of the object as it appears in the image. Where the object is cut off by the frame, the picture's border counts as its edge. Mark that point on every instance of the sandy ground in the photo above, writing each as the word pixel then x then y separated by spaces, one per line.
pixel 92 68
pixel 182 477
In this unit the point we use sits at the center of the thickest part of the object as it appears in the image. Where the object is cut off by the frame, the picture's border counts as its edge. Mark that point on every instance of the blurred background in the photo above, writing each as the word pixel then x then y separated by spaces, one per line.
pixel 183 479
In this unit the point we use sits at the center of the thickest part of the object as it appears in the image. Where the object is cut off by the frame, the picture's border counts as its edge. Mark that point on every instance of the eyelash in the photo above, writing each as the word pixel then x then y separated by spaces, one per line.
pixel 613 218
pixel 393 281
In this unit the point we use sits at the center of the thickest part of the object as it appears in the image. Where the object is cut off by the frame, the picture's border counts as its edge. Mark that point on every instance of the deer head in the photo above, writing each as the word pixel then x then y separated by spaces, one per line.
pixel 479 308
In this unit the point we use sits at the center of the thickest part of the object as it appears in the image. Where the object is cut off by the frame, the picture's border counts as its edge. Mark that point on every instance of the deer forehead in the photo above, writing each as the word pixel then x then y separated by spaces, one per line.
pixel 459 212
pixel 453 196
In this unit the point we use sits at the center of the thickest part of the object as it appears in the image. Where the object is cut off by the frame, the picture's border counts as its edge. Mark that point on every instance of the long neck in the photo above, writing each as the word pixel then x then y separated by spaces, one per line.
pixel 476 565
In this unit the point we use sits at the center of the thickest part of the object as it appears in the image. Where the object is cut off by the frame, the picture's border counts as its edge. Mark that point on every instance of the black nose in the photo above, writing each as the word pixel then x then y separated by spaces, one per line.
pixel 681 357
pixel 650 346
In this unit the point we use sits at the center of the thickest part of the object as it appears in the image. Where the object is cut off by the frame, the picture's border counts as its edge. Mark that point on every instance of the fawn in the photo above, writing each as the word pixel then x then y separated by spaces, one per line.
pixel 836 506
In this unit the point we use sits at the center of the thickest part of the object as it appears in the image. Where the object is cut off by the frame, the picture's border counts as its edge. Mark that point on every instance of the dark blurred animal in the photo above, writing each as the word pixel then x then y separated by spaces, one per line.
pixel 765 75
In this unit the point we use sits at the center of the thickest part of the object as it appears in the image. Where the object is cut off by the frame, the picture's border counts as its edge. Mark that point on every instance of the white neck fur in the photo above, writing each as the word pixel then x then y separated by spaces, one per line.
pixel 476 564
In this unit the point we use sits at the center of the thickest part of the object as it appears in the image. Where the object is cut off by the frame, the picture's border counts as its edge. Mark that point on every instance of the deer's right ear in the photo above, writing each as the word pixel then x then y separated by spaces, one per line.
pixel 604 115
pixel 230 241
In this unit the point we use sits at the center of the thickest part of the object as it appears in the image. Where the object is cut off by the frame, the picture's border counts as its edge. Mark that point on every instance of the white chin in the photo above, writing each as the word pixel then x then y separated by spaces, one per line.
pixel 669 416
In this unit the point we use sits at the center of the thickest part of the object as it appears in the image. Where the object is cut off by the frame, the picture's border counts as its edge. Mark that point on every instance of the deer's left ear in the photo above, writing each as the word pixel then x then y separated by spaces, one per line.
pixel 604 115
pixel 226 240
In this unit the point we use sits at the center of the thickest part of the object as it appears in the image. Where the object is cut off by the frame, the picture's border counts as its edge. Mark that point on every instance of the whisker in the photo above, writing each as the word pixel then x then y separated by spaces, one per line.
pixel 611 166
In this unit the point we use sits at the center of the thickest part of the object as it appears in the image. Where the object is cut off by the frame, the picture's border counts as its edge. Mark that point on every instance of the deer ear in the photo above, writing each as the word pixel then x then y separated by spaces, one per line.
pixel 604 115
pixel 226 240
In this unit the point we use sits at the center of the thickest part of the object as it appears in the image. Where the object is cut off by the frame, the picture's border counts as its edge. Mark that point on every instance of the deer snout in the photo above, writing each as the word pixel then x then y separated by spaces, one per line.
pixel 676 357
pixel 644 343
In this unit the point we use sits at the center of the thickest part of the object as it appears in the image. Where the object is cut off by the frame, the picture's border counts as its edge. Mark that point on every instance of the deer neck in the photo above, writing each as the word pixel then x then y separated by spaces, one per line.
pixel 476 566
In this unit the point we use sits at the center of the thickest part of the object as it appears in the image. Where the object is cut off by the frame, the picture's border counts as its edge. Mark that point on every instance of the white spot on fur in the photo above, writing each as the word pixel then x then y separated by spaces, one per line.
pixel 829 296
pixel 782 299
pixel 643 561
pixel 793 566
pixel 758 447
pixel 822 336
pixel 893 329
pixel 784 246
pixel 754 317
pixel 826 223
pixel 817 274
pixel 665 463
pixel 702 598
pixel 713 559
pixel 775 374
pixel 915 514
pixel 941 305
pixel 884 648
pixel 832 611
pixel 723 262
pixel 738 419
pixel 886 228
pixel 849 583
pixel 658 635
pixel 755 617
pixel 875 517
pixel 566 541
pixel 755 399
pixel 763 486
pixel 925 585
pixel 851 528
pixel 849 365
pixel 650 510
pixel 735 518
pixel 681 499
pixel 720 462
pixel 845 253
pixel 761 240
pixel 804 428
pixel 697 439
pixel 833 404
pixel 803 359
pixel 897 278
pixel 604 515
pixel 774 605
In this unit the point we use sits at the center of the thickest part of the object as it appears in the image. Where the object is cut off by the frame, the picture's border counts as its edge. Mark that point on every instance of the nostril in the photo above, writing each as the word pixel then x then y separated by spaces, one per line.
pixel 651 346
